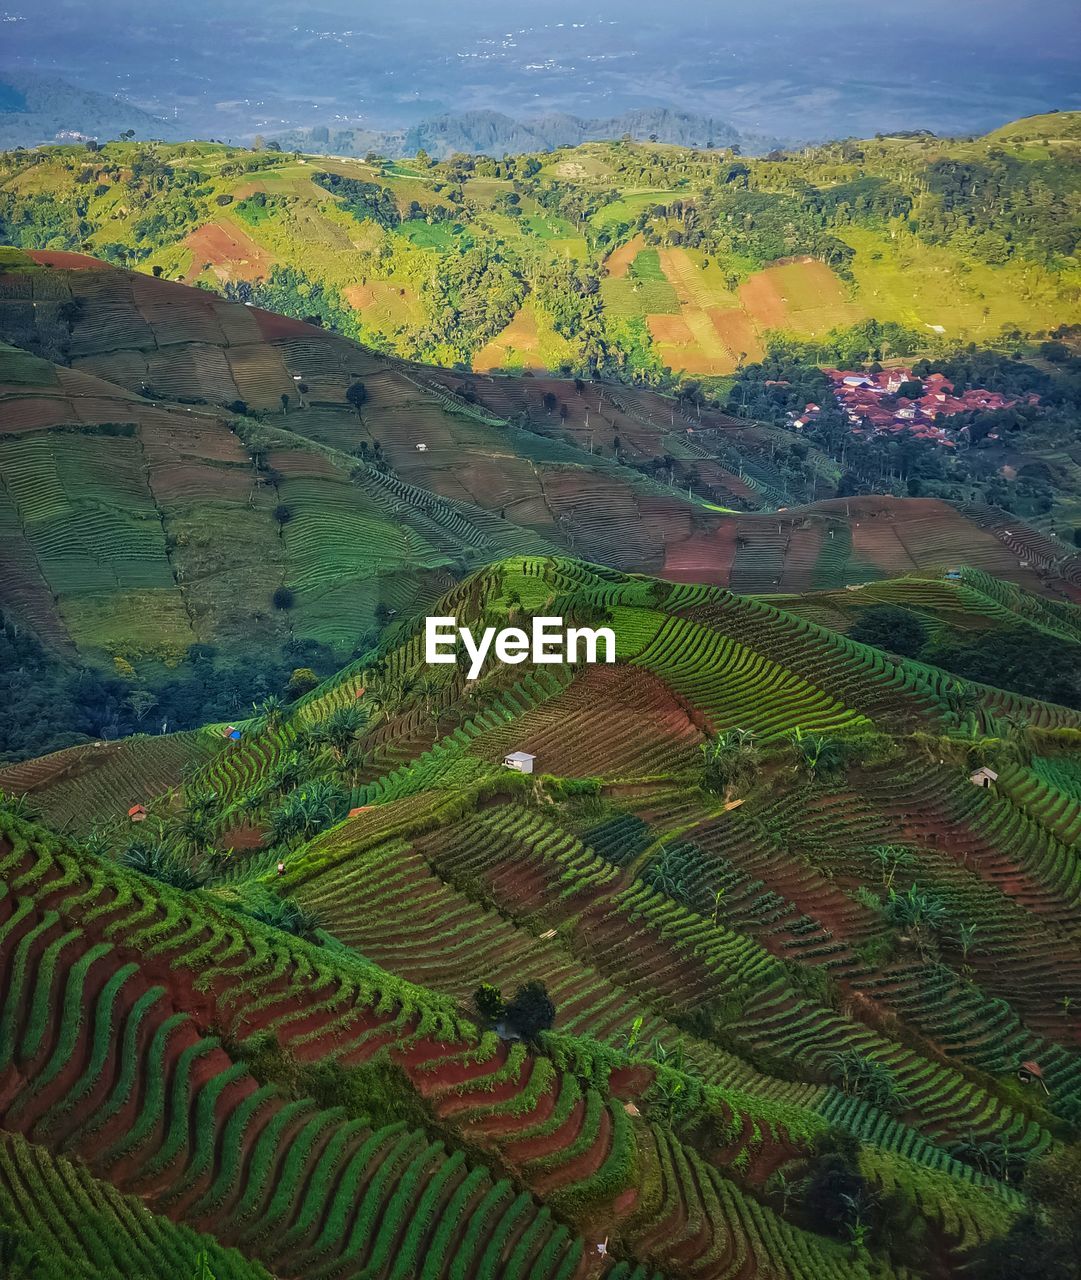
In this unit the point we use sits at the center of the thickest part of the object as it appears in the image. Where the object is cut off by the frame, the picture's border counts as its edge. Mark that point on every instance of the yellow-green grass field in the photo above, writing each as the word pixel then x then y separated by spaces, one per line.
pixel 924 286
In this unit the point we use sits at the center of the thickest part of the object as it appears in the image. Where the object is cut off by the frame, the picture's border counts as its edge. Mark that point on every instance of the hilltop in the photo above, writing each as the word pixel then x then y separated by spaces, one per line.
pixel 641 261
pixel 797 959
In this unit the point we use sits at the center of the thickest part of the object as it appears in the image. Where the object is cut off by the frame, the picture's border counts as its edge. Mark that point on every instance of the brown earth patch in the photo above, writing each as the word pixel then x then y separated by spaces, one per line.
pixel 69 261
pixel 736 330
pixel 619 260
pixel 703 557
pixel 670 330
pixel 273 326
pixel 228 251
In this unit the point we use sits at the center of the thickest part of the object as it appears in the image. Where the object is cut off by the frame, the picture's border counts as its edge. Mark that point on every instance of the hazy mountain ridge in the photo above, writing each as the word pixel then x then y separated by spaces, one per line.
pixel 36 109
pixel 496 134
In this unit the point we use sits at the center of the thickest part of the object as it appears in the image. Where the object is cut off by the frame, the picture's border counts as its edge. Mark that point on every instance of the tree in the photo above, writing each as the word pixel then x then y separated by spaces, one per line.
pixel 357 395
pixel 272 711
pixel 302 681
pixel 835 1185
pixel 141 701
pixel 531 1010
pixel 289 916
pixel 866 1078
pixel 284 598
pixel 339 730
pixel 966 704
pixel 282 513
pixel 307 811
pixel 890 859
pixel 818 754
pixel 152 859
pixel 888 627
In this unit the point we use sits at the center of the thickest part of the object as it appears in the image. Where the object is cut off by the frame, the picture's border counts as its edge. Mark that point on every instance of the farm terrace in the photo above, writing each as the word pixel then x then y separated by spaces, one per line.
pixel 896 400
pixel 549 643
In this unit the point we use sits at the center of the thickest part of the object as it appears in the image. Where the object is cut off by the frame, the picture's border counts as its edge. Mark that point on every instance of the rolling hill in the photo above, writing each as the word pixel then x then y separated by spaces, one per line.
pixel 795 976
pixel 638 260
pixel 185 480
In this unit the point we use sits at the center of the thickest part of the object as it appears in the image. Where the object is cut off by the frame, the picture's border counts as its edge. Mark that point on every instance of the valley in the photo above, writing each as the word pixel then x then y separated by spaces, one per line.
pixel 739 941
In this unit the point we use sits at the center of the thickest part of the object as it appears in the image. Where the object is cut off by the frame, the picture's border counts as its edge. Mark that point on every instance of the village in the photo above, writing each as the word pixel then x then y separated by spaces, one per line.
pixel 896 400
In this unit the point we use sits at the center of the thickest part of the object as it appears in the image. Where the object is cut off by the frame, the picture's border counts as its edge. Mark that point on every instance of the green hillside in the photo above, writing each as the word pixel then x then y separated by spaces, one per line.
pixel 632 259
pixel 795 959
pixel 203 503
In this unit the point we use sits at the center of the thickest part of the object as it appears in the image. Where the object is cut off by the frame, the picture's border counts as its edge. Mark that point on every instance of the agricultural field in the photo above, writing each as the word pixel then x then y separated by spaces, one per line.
pixel 730 253
pixel 181 473
pixel 781 941
pixel 749 953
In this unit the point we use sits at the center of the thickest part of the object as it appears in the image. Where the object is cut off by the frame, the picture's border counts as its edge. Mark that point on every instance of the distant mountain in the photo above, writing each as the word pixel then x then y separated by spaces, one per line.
pixel 36 109
pixel 492 133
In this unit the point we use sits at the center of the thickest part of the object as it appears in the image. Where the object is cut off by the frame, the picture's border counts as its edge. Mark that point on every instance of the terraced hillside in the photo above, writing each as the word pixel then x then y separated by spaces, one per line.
pixel 796 957
pixel 178 470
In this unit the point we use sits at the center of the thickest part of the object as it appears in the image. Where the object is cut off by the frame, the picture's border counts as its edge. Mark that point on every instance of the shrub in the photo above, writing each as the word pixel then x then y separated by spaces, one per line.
pixel 489 1004
pixel 303 680
pixel 531 1010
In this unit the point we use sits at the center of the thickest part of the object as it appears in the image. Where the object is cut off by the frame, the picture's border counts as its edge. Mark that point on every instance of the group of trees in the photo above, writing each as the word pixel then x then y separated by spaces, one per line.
pixel 47 703
pixel 526 1014
pixel 364 200
pixel 1025 661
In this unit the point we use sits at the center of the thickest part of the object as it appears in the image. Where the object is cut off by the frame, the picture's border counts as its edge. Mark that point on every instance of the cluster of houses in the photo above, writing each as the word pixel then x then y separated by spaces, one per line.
pixel 874 404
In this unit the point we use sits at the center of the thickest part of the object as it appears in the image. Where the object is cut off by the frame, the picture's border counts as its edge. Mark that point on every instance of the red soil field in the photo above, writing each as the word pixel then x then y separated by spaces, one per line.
pixel 619 260
pixel 31 413
pixel 703 557
pixel 272 326
pixel 736 330
pixel 69 261
pixel 228 251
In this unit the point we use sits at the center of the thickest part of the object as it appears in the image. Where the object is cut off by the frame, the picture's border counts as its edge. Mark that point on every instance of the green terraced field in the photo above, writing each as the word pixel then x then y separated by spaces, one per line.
pixel 735 983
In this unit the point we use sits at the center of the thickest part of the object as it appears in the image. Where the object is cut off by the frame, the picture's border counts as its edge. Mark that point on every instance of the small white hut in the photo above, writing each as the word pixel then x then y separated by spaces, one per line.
pixel 520 761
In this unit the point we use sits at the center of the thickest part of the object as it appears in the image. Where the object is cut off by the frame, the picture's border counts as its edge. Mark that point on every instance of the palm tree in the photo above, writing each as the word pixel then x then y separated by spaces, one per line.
pixel 288 773
pixel 20 806
pixel 339 730
pixel 966 703
pixel 288 915
pixel 196 828
pixel 272 712
pixel 966 936
pixel 1020 736
pixel 866 1078
pixel 917 911
pixel 890 858
pixel 817 754
pixel 154 860
pixel 306 812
